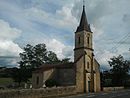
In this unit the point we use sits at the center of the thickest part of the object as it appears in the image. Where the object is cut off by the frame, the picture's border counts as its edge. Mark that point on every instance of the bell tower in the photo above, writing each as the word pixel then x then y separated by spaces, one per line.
pixel 83 37
pixel 83 55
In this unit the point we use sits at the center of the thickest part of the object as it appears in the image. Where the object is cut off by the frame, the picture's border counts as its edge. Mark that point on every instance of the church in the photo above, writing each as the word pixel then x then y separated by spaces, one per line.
pixel 83 73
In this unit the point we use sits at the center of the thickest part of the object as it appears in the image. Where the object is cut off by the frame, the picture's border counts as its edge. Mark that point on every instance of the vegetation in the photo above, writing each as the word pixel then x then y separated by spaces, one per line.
pixel 32 58
pixel 21 75
pixel 6 81
pixel 106 79
pixel 118 75
pixel 35 56
pixel 119 70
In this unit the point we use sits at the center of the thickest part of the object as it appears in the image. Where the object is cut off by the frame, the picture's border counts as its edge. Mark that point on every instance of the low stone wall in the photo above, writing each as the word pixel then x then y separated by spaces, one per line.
pixel 38 93
pixel 112 88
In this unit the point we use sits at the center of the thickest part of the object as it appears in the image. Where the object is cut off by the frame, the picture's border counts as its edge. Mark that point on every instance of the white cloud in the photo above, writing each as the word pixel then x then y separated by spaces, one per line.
pixel 105 18
pixel 59 48
pixel 67 19
pixel 9 48
pixel 109 21
pixel 97 32
pixel 103 56
pixel 7 36
pixel 7 32
pixel 62 18
pixel 68 52
pixel 56 46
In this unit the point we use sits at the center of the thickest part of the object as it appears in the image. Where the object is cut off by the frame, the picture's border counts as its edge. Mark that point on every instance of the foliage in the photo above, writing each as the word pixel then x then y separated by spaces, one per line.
pixel 35 56
pixel 21 75
pixel 106 79
pixel 50 83
pixel 65 60
pixel 119 70
pixel 52 58
pixel 32 58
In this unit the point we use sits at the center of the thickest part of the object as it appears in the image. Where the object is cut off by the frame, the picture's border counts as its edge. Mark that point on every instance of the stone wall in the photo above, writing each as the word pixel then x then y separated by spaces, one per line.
pixel 80 76
pixel 38 93
pixel 40 81
pixel 66 77
pixel 97 77
pixel 43 76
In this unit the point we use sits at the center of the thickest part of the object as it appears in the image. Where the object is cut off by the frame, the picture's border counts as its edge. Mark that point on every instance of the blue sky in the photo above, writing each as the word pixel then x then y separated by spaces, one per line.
pixel 54 22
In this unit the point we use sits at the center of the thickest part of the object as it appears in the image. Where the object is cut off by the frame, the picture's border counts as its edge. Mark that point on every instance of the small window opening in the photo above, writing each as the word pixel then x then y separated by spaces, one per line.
pixel 88 40
pixel 88 65
pixel 37 81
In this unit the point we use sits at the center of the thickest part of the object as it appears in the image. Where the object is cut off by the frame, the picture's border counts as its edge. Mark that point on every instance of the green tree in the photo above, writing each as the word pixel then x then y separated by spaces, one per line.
pixel 35 56
pixel 52 58
pixel 32 58
pixel 20 75
pixel 65 60
pixel 120 69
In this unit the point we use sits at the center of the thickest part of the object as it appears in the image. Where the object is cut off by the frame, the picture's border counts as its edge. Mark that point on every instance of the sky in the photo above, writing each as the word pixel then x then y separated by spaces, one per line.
pixel 54 22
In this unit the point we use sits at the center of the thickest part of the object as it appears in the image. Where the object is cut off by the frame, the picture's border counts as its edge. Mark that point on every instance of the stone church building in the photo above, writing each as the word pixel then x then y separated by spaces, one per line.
pixel 83 73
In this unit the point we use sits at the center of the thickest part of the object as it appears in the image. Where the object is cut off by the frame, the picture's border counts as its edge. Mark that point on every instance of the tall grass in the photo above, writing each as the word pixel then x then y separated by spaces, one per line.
pixel 6 81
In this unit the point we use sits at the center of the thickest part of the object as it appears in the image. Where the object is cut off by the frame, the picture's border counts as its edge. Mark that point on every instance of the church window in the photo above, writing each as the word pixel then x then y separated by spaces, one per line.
pixel 79 40
pixel 88 65
pixel 37 80
pixel 88 40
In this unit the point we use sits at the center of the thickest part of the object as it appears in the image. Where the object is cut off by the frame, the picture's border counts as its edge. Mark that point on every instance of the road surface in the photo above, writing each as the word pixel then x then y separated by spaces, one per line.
pixel 113 94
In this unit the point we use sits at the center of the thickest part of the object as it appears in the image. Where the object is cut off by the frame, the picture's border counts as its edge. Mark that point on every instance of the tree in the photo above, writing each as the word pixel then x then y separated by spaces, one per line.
pixel 35 56
pixel 120 69
pixel 20 75
pixel 65 60
pixel 52 58
pixel 106 79
pixel 32 58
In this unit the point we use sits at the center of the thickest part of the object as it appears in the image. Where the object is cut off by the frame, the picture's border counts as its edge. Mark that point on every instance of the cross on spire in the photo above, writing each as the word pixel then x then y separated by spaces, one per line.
pixel 83 22
pixel 83 3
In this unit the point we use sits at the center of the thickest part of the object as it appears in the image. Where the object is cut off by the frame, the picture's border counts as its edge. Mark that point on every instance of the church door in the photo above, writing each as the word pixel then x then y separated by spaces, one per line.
pixel 89 86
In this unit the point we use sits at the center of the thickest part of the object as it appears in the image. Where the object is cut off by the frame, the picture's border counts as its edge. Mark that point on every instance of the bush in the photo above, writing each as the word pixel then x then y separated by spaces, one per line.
pixel 127 84
pixel 50 83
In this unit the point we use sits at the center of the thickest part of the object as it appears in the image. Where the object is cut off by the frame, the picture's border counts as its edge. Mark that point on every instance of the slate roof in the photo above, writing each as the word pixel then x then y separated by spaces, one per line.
pixel 83 23
pixel 46 67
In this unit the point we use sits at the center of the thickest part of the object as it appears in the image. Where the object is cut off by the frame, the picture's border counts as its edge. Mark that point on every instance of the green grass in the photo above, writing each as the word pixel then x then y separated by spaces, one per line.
pixel 6 81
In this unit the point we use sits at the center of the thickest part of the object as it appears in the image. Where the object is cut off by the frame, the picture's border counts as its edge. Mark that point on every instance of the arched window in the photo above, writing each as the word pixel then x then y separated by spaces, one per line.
pixel 88 65
pixel 88 40
pixel 37 80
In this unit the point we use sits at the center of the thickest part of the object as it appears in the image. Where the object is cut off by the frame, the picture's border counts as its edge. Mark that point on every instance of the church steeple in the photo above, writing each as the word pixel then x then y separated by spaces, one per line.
pixel 83 22
pixel 83 36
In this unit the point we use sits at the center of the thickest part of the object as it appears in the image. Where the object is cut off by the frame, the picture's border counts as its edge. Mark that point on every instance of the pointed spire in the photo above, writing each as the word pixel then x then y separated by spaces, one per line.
pixel 83 22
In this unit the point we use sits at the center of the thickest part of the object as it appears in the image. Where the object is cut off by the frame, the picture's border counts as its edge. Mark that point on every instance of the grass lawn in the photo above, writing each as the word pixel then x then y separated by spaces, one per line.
pixel 6 81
